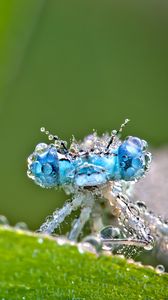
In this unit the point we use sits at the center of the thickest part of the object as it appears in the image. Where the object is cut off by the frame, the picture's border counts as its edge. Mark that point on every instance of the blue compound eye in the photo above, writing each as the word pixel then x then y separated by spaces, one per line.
pixel 43 166
pixel 133 158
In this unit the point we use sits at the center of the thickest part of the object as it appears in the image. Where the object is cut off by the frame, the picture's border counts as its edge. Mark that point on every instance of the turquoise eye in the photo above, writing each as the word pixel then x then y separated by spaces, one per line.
pixel 44 166
pixel 36 167
pixel 133 158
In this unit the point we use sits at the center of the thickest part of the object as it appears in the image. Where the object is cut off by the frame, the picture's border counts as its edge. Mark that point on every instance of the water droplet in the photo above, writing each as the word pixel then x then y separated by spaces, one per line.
pixel 50 137
pixel 141 205
pixel 50 217
pixel 164 229
pixel 21 225
pixel 30 159
pixel 144 145
pixel 107 247
pixel 110 232
pixel 42 129
pixel 40 240
pixel 35 253
pixel 148 247
pixel 41 147
pixel 3 220
pixel 114 132
pixel 134 209
pixel 94 241
pixel 160 269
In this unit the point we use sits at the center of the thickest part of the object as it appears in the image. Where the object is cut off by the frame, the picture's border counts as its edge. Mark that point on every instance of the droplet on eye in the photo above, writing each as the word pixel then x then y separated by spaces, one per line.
pixel 122 164
pixel 130 172
pixel 47 169
pixel 136 141
pixel 124 157
pixel 136 163
pixel 144 145
pixel 41 147
pixel 36 167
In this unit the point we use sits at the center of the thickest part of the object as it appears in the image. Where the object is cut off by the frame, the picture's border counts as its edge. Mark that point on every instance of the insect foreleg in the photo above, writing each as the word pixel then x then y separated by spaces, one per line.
pixel 128 215
pixel 83 218
pixel 58 216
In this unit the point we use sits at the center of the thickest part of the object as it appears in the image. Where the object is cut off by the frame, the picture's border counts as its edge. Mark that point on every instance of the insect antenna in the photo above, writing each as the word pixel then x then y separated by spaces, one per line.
pixel 55 138
pixel 116 133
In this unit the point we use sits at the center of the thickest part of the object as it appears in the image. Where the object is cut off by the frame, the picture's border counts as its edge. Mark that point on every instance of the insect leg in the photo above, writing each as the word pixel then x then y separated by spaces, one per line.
pixel 79 223
pixel 83 218
pixel 97 222
pixel 126 241
pixel 128 215
pixel 58 216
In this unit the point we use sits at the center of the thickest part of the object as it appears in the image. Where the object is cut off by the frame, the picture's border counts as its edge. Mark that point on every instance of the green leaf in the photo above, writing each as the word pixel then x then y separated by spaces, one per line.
pixel 33 266
pixel 72 66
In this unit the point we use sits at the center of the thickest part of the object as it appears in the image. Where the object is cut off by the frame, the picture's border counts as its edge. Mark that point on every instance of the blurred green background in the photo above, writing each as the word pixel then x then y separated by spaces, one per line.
pixel 72 66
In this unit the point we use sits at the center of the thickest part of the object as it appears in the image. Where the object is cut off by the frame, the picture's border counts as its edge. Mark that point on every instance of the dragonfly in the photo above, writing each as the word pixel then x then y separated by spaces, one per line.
pixel 97 167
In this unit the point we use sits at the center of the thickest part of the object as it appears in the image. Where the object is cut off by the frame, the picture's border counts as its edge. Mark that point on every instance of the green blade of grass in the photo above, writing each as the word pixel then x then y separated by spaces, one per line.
pixel 37 267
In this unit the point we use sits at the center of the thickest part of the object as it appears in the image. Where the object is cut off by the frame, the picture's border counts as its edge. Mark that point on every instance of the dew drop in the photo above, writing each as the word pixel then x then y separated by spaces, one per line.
pixel 110 232
pixel 144 145
pixel 114 132
pixel 41 147
pixel 107 247
pixel 160 269
pixel 94 241
pixel 30 159
pixel 148 247
pixel 3 220
pixel 40 240
pixel 141 205
pixel 21 225
pixel 42 129
pixel 50 137
pixel 35 253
